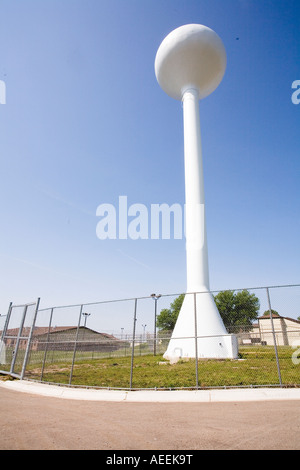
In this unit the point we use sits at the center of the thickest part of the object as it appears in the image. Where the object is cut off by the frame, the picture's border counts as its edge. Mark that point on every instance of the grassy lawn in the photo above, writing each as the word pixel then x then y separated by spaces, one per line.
pixel 256 366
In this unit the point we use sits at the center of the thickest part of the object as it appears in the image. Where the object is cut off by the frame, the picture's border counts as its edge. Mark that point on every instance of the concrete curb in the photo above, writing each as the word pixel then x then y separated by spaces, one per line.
pixel 143 396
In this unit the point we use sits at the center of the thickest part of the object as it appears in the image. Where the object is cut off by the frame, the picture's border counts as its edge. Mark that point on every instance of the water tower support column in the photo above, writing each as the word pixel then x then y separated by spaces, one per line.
pixel 195 226
pixel 213 340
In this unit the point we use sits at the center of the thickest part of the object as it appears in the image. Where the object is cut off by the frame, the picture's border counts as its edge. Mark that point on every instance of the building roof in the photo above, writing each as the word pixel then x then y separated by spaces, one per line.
pixel 43 330
pixel 267 317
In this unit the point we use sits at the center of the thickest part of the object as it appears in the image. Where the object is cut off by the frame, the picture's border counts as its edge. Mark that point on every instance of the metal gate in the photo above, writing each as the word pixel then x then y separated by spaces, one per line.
pixel 16 337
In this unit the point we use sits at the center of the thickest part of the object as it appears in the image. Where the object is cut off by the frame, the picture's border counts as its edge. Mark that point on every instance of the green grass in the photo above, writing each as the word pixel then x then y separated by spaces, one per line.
pixel 256 366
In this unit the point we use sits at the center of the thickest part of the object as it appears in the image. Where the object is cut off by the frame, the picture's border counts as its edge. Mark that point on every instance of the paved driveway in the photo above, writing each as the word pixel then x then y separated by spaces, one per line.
pixel 30 421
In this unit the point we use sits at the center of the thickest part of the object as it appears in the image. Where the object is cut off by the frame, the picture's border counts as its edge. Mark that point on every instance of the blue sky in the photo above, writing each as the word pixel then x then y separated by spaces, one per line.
pixel 85 122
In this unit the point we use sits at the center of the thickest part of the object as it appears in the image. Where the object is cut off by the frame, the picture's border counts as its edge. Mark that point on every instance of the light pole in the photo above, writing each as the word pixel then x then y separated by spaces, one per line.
pixel 85 317
pixel 144 326
pixel 155 298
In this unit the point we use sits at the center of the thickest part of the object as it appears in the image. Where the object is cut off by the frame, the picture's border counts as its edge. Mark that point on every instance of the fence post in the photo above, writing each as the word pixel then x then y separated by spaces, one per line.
pixel 29 339
pixel 154 331
pixel 47 342
pixel 155 298
pixel 75 344
pixel 2 339
pixel 6 321
pixel 196 339
pixel 133 339
pixel 15 352
pixel 274 338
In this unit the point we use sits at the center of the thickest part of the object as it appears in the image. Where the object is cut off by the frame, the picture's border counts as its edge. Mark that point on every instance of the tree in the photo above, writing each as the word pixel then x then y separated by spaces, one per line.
pixel 167 318
pixel 274 313
pixel 237 309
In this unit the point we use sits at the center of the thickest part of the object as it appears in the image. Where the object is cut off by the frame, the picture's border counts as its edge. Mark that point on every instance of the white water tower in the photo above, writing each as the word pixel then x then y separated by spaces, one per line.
pixel 189 65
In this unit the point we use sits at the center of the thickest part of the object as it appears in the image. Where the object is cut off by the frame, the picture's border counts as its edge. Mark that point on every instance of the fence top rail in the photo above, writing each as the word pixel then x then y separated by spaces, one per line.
pixel 22 305
pixel 161 295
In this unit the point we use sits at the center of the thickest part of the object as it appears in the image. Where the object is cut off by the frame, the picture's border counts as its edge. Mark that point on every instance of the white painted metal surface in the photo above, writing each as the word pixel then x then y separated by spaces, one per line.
pixel 189 65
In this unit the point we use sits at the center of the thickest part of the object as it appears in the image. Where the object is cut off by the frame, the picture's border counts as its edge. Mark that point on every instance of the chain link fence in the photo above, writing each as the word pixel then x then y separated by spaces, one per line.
pixel 117 345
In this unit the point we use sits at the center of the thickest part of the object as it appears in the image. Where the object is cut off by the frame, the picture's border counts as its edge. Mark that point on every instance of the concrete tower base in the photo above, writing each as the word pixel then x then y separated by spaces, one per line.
pixel 213 341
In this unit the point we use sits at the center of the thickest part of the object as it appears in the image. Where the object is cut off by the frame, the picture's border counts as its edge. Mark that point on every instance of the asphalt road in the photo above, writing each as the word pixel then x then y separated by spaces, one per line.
pixel 31 422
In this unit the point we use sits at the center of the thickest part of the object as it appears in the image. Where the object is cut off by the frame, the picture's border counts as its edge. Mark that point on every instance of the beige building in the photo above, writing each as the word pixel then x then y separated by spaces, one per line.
pixel 287 331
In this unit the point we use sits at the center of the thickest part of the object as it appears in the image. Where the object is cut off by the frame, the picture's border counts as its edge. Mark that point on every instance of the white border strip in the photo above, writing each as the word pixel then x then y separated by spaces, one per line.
pixel 200 396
